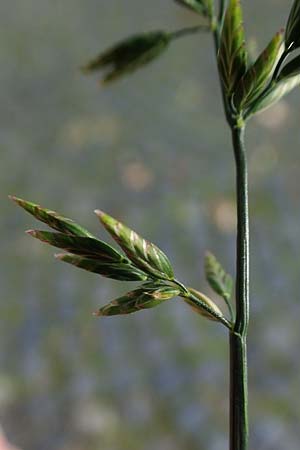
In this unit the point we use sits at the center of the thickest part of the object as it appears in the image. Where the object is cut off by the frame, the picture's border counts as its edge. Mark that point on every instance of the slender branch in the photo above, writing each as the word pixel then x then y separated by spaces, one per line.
pixel 182 286
pixel 229 306
pixel 190 30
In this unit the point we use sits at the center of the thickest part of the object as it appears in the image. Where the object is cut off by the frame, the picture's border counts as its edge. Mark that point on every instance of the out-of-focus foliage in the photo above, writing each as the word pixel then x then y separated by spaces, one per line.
pixel 130 54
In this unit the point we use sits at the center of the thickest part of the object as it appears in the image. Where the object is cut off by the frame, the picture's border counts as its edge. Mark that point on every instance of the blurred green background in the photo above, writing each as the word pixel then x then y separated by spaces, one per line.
pixel 154 151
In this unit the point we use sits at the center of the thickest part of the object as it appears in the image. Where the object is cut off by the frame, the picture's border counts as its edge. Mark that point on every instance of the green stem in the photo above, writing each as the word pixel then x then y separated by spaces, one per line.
pixel 238 345
pixel 238 393
pixel 242 256
pixel 239 430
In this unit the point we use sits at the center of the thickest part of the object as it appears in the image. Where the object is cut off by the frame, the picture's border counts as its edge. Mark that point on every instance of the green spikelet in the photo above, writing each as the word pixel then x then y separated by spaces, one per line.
pixel 290 70
pixel 86 252
pixel 142 298
pixel 272 95
pixel 257 76
pixel 84 246
pixel 121 271
pixel 203 305
pixel 141 252
pixel 292 34
pixel 52 218
pixel 232 55
pixel 217 278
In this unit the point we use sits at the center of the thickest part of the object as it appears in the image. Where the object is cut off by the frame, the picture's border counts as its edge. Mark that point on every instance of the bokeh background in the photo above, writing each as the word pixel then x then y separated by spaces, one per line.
pixel 154 151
